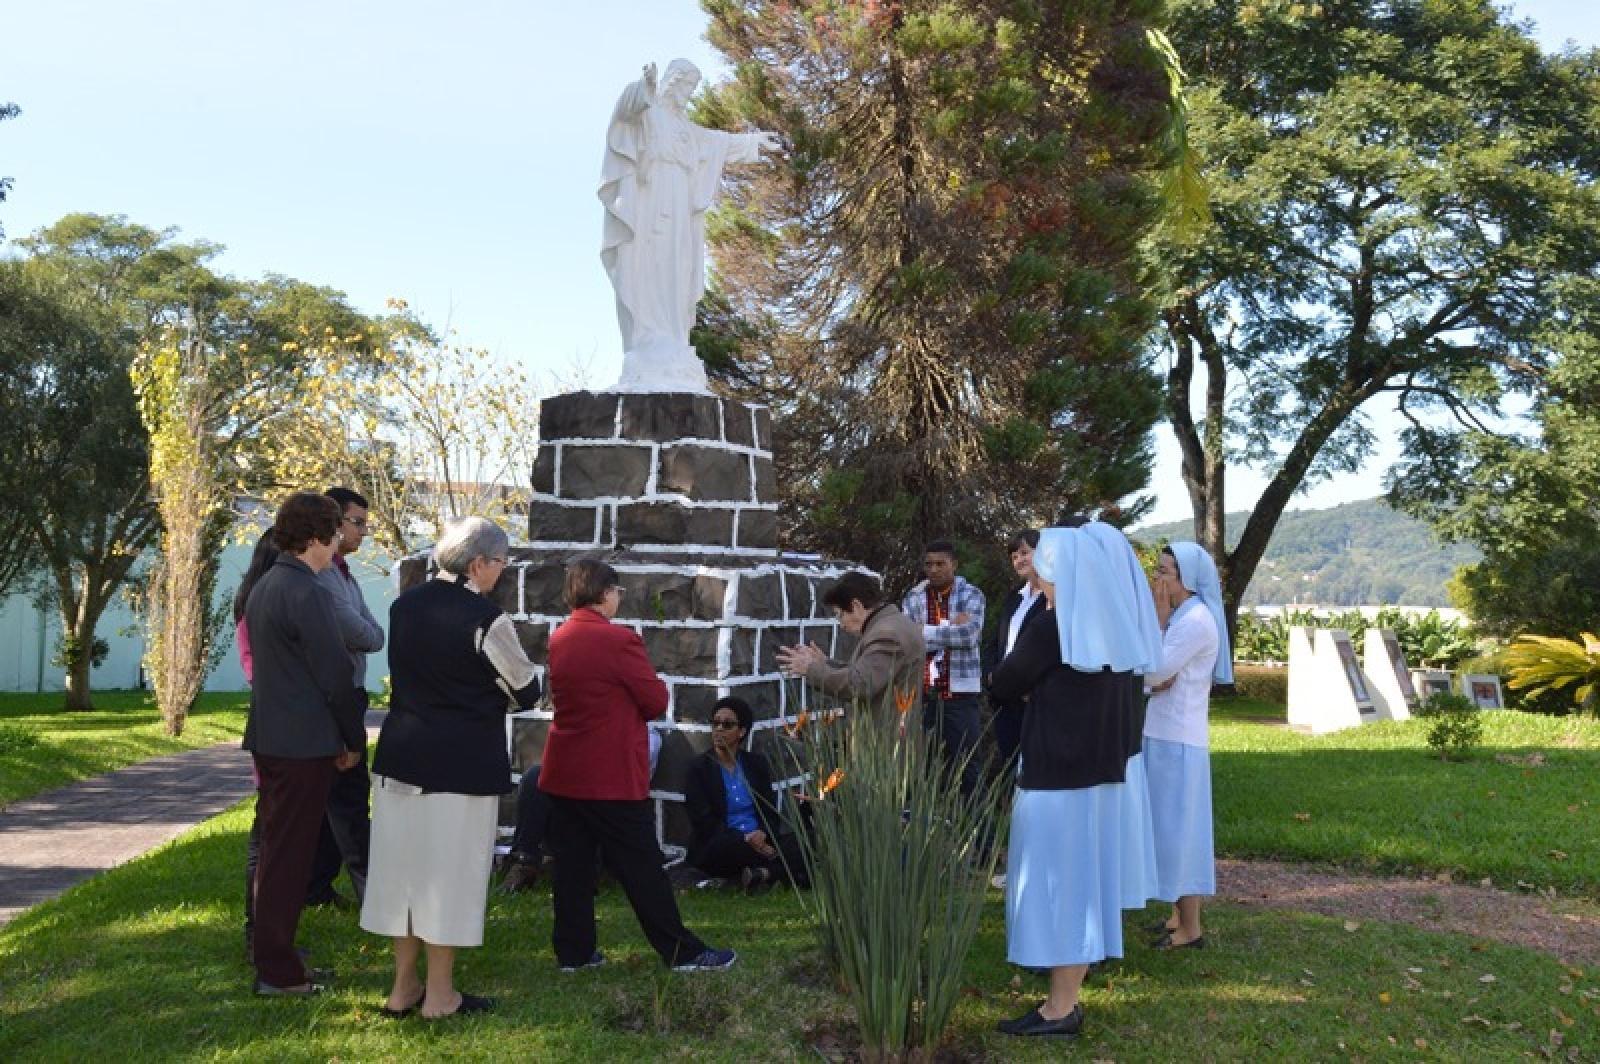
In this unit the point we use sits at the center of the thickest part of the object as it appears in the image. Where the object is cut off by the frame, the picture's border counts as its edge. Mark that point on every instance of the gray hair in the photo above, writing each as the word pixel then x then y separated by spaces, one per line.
pixel 466 538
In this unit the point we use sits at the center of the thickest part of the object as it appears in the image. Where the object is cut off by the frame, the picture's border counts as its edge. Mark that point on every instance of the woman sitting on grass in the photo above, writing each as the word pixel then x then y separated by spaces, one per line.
pixel 1076 663
pixel 1194 655
pixel 729 798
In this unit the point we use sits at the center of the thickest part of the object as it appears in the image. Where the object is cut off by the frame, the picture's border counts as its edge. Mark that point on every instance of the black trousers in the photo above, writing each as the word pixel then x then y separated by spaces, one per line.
pixel 1007 732
pixel 346 836
pixel 728 854
pixel 533 818
pixel 622 832
pixel 959 728
pixel 293 801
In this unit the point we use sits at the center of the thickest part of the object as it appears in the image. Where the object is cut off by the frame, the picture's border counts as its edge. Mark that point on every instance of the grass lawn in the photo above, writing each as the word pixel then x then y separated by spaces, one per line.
pixel 42 746
pixel 1524 811
pixel 146 962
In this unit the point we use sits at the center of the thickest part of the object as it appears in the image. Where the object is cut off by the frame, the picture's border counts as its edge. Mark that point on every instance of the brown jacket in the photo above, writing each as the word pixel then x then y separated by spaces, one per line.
pixel 887 663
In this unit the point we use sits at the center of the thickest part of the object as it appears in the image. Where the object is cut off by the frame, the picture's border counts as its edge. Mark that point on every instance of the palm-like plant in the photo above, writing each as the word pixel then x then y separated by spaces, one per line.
pixel 1541 664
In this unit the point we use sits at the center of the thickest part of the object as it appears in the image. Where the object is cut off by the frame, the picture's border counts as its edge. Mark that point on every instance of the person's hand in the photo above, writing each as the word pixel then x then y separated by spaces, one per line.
pixel 758 842
pixel 1163 685
pixel 795 660
pixel 347 760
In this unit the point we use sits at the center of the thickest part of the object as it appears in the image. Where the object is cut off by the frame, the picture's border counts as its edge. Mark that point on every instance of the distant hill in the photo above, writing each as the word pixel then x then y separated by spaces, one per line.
pixel 1357 554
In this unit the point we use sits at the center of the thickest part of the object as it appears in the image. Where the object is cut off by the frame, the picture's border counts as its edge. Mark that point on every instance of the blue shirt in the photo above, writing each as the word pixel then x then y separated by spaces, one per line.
pixel 741 806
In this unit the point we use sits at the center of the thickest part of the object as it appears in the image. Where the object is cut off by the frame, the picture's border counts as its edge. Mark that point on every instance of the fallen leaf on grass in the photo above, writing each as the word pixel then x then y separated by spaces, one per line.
pixel 1414 971
pixel 1303 817
pixel 1475 1018
pixel 1485 882
pixel 1566 1021
pixel 1352 925
pixel 1576 973
pixel 1385 997
pixel 1486 978
pixel 1559 855
pixel 1420 1043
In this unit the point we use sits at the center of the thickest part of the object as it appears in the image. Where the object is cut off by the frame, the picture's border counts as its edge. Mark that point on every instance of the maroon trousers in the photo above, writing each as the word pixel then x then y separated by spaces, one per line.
pixel 290 806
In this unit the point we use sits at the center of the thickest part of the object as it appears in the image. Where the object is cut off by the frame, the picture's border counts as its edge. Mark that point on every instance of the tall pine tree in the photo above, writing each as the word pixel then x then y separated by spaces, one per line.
pixel 940 289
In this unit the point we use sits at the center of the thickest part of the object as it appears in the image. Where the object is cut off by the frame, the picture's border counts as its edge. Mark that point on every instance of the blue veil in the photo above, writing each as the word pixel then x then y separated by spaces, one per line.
pixel 1198 572
pixel 1104 610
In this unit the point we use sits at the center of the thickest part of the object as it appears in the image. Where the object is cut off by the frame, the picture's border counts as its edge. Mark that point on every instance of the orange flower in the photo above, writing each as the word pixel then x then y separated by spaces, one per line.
pixel 799 724
pixel 834 779
pixel 903 702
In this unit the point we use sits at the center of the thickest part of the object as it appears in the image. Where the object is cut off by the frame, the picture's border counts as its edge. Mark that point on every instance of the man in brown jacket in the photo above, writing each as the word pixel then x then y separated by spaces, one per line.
pixel 887 664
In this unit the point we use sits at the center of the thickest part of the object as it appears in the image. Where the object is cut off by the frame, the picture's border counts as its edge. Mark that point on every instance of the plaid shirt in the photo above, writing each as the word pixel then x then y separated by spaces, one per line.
pixel 956 646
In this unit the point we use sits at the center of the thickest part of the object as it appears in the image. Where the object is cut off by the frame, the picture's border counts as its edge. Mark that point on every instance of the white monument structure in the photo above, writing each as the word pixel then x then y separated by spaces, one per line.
pixel 1327 690
pixel 1393 693
pixel 659 177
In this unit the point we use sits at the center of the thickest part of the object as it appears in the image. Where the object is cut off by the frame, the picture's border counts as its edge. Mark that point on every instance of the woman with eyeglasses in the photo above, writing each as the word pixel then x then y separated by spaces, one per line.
pixel 737 829
pixel 457 667
pixel 596 772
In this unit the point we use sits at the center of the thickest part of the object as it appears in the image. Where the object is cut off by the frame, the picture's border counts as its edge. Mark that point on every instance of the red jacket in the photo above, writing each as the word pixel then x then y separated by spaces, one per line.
pixel 604 689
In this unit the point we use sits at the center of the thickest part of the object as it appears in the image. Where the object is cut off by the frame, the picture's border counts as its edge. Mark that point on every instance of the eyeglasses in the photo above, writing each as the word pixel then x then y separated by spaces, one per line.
pixel 722 724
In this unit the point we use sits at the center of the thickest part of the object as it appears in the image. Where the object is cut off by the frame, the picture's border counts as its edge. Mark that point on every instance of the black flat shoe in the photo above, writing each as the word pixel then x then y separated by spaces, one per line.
pixel 1165 943
pixel 470 1003
pixel 1032 1024
pixel 399 1014
pixel 304 990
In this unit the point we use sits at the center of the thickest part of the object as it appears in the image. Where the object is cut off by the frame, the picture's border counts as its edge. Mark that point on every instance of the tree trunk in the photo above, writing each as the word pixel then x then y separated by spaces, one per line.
pixel 79 695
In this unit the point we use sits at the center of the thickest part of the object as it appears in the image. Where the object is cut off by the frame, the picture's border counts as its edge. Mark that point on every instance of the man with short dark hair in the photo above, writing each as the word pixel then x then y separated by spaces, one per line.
pixel 347 830
pixel 950 611
pixel 886 665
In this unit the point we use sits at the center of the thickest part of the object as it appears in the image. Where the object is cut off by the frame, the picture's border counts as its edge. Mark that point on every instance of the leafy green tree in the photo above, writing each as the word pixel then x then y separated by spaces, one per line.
pixel 7 110
pixel 1403 195
pixel 939 289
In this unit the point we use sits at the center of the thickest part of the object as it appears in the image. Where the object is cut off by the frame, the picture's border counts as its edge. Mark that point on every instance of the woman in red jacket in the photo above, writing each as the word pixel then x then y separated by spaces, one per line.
pixel 596 773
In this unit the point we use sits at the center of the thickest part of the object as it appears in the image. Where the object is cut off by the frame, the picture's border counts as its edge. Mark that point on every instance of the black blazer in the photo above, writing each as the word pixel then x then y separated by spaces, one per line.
pixel 1077 727
pixel 706 797
pixel 994 648
pixel 303 701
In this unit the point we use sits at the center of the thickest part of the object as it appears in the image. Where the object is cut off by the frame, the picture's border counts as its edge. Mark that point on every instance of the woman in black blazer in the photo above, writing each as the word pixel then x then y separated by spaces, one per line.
pixel 737 830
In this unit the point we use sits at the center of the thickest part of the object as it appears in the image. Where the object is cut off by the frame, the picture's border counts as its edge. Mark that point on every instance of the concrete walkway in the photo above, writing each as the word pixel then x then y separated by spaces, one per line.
pixel 56 840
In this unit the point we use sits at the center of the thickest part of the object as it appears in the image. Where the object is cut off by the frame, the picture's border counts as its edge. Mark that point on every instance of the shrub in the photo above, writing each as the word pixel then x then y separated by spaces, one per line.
pixel 1262 682
pixel 899 868
pixel 1566 668
pixel 1454 725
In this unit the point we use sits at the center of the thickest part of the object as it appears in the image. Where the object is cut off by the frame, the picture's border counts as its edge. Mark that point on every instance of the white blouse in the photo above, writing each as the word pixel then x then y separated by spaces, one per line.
pixel 1189 653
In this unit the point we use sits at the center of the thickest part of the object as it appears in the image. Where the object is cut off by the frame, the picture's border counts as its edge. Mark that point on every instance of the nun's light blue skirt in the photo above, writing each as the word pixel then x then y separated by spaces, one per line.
pixel 1064 878
pixel 1139 883
pixel 1180 810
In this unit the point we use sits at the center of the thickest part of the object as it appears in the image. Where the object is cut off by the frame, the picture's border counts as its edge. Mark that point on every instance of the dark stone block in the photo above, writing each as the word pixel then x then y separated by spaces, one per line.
pixel 675 826
pixel 504 592
pixel 742 653
pixel 668 417
pixel 535 639
pixel 544 587
pixel 551 522
pixel 578 415
pixel 678 751
pixel 704 474
pixel 766 481
pixel 771 640
pixel 643 523
pixel 593 472
pixel 763 428
pixel 759 595
pixel 682 651
pixel 820 588
pixel 758 529
pixel 799 591
pixel 737 425
pixel 672 597
pixel 544 471
pixel 762 696
pixel 693 702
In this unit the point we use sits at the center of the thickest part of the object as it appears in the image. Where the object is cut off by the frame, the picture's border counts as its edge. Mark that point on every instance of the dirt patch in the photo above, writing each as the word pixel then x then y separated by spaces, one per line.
pixel 1564 928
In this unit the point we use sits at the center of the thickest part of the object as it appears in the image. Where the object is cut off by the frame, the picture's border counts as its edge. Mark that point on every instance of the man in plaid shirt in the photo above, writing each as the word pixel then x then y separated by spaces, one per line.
pixel 950 611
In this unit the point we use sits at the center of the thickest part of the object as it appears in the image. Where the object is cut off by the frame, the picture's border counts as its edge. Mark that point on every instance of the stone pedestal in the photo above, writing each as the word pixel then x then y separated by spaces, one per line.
pixel 1327 689
pixel 1393 693
pixel 676 492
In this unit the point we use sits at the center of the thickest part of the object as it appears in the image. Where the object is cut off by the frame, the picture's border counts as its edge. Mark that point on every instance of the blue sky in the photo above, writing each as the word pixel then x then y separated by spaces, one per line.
pixel 444 154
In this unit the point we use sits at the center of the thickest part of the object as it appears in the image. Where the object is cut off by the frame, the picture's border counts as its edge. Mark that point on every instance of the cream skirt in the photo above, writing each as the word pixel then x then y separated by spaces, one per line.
pixel 428 872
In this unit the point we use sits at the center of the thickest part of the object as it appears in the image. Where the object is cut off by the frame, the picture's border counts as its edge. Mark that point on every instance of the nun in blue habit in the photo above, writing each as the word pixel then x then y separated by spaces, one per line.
pixel 1078 663
pixel 1177 739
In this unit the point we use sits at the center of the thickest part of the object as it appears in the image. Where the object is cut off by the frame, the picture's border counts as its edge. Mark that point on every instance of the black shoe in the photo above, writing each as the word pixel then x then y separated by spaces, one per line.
pixel 709 960
pixel 1033 1025
pixel 520 876
pixel 753 878
pixel 470 1003
pixel 399 1014
pixel 310 989
pixel 1165 943
pixel 594 961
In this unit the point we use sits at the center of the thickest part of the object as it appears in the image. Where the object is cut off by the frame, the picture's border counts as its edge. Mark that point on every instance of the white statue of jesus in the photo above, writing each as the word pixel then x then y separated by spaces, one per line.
pixel 659 177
